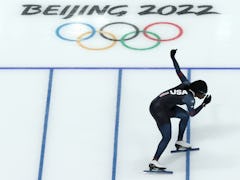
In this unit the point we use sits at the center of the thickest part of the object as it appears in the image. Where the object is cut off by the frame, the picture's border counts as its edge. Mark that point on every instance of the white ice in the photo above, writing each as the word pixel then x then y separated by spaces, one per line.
pixel 81 125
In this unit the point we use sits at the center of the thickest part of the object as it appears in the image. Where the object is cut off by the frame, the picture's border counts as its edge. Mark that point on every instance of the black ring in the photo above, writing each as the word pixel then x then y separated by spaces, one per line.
pixel 135 34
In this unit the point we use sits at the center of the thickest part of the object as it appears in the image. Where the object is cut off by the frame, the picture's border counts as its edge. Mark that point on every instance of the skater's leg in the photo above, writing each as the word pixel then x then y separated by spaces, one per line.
pixel 165 130
pixel 184 116
pixel 164 125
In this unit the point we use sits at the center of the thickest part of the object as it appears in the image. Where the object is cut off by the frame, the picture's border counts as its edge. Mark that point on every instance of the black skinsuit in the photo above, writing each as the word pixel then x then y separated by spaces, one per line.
pixel 165 106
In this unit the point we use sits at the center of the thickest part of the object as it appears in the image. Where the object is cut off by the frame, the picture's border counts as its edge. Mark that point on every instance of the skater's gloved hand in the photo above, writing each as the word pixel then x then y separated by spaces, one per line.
pixel 207 100
pixel 173 52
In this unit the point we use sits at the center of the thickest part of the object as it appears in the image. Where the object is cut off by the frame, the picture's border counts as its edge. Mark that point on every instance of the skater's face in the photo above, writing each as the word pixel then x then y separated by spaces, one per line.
pixel 200 95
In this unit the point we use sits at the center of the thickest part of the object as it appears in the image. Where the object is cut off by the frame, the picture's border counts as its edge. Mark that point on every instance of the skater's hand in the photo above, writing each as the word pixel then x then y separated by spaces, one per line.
pixel 173 52
pixel 207 100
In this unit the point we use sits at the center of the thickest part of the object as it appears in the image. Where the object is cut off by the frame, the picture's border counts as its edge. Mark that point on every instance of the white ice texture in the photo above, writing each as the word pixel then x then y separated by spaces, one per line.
pixel 84 104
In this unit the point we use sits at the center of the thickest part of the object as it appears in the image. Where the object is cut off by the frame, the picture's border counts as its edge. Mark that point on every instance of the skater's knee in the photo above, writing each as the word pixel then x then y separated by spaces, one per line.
pixel 167 138
pixel 184 116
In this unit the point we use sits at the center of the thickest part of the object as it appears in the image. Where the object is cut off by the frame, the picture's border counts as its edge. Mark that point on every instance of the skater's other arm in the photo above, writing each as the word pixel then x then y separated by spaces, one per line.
pixel 193 112
pixel 177 68
pixel 189 101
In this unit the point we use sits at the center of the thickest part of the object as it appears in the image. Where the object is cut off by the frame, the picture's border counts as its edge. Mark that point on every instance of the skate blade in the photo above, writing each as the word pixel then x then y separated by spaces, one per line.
pixel 163 171
pixel 153 167
pixel 185 150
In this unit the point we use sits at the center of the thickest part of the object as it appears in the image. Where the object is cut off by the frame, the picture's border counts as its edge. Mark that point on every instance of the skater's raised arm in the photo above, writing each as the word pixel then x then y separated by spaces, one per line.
pixel 177 68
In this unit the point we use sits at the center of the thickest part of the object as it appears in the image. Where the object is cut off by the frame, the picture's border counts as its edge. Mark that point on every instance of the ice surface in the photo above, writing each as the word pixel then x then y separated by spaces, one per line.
pixel 98 125
pixel 81 125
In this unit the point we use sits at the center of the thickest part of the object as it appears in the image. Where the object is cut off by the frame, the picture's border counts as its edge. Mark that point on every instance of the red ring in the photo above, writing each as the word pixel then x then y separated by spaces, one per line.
pixel 170 39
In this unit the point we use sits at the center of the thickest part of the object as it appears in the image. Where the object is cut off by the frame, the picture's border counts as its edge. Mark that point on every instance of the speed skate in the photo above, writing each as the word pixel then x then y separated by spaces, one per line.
pixel 155 167
pixel 158 171
pixel 163 171
pixel 185 150
pixel 182 146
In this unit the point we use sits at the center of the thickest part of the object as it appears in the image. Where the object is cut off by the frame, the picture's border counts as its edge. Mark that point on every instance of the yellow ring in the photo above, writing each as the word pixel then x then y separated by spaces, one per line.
pixel 103 32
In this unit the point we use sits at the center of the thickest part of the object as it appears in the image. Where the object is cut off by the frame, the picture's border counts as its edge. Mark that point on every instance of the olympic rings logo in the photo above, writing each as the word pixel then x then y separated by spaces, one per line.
pixel 83 37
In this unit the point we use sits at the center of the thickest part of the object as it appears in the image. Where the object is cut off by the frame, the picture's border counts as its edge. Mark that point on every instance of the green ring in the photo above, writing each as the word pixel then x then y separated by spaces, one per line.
pixel 122 40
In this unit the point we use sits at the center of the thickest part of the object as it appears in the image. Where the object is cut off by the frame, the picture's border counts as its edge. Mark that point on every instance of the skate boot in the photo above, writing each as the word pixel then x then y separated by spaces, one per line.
pixel 155 165
pixel 181 145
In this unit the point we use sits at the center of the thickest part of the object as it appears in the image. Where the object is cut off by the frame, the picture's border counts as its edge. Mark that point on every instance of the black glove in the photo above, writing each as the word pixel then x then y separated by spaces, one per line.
pixel 173 52
pixel 207 100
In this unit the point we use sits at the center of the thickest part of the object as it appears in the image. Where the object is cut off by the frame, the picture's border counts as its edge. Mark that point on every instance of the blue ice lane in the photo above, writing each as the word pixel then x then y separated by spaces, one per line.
pixel 81 125
pixel 45 126
pixel 216 129
pixel 138 135
pixel 188 137
pixel 23 100
pixel 116 131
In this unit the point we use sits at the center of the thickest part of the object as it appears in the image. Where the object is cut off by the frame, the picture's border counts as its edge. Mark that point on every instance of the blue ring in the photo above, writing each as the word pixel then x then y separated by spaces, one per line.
pixel 66 24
